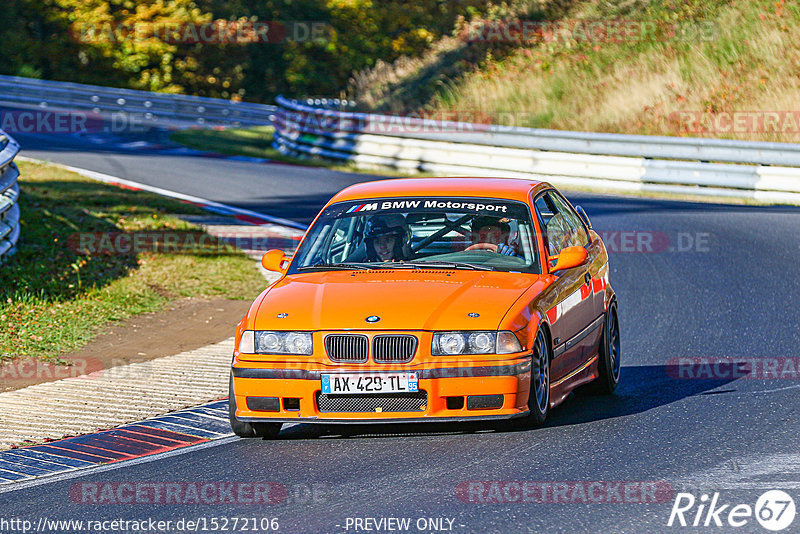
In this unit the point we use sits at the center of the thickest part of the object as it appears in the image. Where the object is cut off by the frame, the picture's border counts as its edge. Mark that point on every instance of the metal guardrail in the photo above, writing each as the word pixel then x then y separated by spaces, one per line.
pixel 9 193
pixel 340 104
pixel 151 107
pixel 763 171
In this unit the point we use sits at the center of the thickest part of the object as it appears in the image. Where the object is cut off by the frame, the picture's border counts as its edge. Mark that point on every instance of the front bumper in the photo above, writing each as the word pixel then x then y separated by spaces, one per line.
pixel 297 392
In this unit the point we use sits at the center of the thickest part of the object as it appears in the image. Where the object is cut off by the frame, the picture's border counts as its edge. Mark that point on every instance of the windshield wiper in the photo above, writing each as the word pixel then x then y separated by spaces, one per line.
pixel 450 265
pixel 397 265
pixel 336 267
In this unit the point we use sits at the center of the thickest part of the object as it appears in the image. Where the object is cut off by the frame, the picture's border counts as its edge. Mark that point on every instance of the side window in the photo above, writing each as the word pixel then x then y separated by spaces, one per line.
pixel 341 239
pixel 562 227
pixel 578 236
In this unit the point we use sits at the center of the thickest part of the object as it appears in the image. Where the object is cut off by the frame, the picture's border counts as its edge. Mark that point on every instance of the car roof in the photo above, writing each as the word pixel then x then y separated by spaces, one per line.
pixel 506 188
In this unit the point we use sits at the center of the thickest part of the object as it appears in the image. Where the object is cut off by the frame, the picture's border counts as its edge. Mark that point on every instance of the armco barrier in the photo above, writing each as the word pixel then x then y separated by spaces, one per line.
pixel 150 107
pixel 9 192
pixel 763 171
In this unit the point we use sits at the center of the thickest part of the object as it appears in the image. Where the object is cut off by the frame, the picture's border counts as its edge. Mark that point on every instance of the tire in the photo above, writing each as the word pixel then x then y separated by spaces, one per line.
pixel 249 430
pixel 539 394
pixel 609 357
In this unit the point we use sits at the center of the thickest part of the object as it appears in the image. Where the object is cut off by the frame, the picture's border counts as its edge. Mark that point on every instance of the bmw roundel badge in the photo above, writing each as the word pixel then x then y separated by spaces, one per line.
pixel 373 319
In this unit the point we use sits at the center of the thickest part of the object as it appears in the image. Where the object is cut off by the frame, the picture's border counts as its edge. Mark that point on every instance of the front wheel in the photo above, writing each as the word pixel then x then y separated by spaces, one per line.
pixel 539 396
pixel 249 430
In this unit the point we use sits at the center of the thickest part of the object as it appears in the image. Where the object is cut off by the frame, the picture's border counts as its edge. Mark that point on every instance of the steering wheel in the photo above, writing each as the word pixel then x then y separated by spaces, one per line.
pixel 491 247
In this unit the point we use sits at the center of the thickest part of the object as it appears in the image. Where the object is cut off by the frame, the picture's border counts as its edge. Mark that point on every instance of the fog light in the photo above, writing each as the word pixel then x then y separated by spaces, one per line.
pixel 291 404
pixel 263 404
pixel 454 403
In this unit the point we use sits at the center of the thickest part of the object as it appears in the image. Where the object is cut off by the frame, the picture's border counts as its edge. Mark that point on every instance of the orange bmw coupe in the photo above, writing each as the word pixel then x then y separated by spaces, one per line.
pixel 429 299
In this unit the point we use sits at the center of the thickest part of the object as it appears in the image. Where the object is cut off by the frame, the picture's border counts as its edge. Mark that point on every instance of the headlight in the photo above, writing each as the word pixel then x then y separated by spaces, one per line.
pixel 449 343
pixel 298 343
pixel 452 343
pixel 269 342
pixel 481 342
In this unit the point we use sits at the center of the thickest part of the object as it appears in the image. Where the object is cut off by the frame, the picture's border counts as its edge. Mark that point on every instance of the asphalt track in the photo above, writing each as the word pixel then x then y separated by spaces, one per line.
pixel 281 190
pixel 734 295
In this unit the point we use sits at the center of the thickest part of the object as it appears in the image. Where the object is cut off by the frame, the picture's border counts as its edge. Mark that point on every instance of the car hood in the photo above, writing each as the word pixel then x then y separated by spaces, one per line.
pixel 402 299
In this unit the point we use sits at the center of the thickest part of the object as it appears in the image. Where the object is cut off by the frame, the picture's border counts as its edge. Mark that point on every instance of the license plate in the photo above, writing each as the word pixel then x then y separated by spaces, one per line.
pixel 370 383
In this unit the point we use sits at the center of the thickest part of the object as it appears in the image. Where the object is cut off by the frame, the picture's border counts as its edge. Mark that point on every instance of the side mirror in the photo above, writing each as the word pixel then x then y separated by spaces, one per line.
pixel 582 214
pixel 569 257
pixel 273 260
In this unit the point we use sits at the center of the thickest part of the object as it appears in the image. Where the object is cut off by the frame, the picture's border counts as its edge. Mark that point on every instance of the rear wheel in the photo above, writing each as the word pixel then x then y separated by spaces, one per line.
pixel 539 396
pixel 609 356
pixel 249 430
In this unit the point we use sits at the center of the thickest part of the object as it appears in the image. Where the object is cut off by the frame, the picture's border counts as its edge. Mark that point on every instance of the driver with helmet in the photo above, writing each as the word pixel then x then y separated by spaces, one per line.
pixel 491 234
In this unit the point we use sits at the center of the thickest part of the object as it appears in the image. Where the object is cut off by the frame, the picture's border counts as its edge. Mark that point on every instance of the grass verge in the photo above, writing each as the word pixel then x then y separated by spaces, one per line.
pixel 256 142
pixel 701 64
pixel 54 297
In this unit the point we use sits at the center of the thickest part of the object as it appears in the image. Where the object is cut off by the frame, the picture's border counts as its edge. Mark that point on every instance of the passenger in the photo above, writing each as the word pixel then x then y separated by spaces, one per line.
pixel 388 238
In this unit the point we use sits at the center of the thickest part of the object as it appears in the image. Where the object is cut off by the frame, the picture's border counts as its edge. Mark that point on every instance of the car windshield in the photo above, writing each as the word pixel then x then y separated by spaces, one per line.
pixel 411 233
